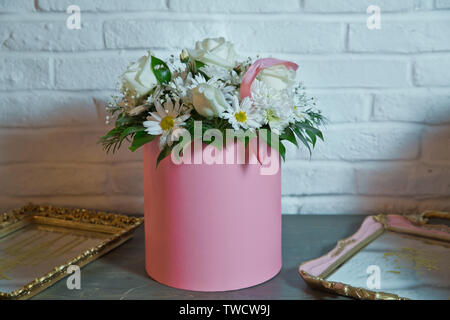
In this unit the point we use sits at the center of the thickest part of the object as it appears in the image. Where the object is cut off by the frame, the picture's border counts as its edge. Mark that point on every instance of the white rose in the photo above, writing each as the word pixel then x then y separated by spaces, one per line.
pixel 139 77
pixel 277 77
pixel 215 51
pixel 208 101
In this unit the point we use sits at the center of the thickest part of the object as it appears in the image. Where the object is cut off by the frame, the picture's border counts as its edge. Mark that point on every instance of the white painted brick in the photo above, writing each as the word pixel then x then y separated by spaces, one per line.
pixel 291 205
pixel 235 6
pixel 306 178
pixel 126 179
pixel 388 179
pixel 432 72
pixel 16 5
pixel 153 33
pixel 103 5
pixel 294 36
pixel 50 180
pixel 431 180
pixel 343 107
pixel 49 145
pixel 430 107
pixel 24 73
pixel 350 205
pixel 89 73
pixel 403 37
pixel 56 145
pixel 354 73
pixel 364 142
pixel 443 4
pixel 403 179
pixel 46 110
pixel 247 35
pixel 360 6
pixel 51 36
pixel 436 144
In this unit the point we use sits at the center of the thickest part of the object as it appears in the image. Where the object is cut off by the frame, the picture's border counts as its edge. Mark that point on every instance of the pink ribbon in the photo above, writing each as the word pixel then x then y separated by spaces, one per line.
pixel 256 67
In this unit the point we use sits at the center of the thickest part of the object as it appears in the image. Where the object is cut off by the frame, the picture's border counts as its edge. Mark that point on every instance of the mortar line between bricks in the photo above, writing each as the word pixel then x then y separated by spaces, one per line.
pixel 170 15
pixel 347 37
pixel 129 53
pixel 363 197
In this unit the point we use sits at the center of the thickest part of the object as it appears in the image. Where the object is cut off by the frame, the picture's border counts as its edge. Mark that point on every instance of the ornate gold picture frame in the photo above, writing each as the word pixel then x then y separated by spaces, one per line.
pixel 411 251
pixel 39 243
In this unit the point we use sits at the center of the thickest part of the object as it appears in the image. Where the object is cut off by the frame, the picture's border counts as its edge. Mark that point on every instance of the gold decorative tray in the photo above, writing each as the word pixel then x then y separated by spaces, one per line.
pixel 389 257
pixel 39 243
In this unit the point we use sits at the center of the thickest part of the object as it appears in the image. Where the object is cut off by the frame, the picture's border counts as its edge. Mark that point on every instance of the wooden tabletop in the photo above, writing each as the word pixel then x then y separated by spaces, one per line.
pixel 120 274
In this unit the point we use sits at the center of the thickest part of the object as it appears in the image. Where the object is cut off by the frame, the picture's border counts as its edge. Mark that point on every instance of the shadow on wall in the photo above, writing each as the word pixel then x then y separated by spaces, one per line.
pixel 384 165
pixel 411 184
pixel 49 155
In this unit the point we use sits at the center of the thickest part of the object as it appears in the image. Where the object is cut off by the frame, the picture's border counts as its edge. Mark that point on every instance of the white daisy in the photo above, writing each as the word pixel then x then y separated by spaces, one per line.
pixel 166 121
pixel 242 115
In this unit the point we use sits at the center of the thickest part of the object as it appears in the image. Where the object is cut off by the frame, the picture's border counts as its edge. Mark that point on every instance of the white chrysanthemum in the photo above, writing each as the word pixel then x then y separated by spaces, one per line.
pixel 275 106
pixel 179 87
pixel 227 75
pixel 166 121
pixel 242 115
pixel 275 120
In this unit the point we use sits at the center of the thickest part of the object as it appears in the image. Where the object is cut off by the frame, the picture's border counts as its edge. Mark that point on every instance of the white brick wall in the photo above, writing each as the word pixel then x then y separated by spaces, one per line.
pixel 386 93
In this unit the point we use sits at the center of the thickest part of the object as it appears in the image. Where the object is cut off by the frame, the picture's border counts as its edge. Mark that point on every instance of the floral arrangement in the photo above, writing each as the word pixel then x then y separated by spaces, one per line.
pixel 211 84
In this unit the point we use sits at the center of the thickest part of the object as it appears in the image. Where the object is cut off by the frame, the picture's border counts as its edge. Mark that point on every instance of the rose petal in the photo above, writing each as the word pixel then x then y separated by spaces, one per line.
pixel 256 67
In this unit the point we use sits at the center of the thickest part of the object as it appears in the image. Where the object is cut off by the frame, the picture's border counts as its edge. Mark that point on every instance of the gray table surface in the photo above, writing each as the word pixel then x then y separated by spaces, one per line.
pixel 120 274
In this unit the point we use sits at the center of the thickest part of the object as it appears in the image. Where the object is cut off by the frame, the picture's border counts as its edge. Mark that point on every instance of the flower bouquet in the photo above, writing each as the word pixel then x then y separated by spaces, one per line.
pixel 212 219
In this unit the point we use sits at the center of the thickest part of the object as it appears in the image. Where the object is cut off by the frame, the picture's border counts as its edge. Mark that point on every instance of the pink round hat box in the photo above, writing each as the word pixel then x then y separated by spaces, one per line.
pixel 210 227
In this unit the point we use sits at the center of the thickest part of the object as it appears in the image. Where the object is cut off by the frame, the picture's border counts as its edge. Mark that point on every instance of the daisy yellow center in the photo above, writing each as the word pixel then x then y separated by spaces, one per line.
pixel 241 116
pixel 167 123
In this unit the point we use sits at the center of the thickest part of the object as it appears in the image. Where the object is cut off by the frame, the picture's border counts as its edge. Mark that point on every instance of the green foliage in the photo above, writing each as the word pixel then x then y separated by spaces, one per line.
pixel 165 152
pixel 161 70
pixel 140 138
pixel 307 133
pixel 277 146
pixel 126 128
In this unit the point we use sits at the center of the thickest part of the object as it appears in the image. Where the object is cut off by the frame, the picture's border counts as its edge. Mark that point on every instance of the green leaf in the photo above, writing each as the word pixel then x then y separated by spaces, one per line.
pixel 199 64
pixel 140 139
pixel 312 136
pixel 161 70
pixel 315 131
pixel 289 135
pixel 163 154
pixel 123 120
pixel 280 148
pixel 282 151
pixel 302 138
pixel 131 130
pixel 110 134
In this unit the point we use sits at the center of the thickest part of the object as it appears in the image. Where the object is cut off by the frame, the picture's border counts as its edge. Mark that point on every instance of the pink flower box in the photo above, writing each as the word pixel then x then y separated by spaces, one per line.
pixel 211 227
